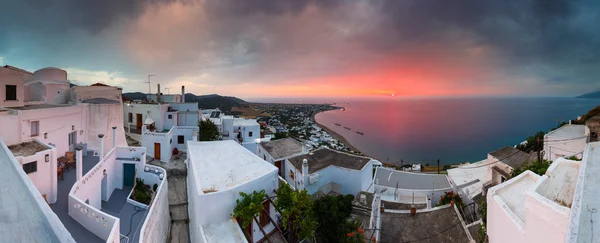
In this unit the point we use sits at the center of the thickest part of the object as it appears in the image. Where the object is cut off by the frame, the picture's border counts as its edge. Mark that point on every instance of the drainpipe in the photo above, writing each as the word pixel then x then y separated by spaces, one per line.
pixel 101 154
pixel 78 161
pixel 114 137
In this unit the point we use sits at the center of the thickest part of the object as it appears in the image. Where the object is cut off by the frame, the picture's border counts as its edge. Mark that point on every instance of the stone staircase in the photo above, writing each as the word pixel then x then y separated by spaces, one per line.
pixel 178 203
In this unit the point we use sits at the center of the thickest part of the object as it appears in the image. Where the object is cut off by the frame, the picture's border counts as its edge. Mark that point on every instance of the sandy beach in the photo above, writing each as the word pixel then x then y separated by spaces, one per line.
pixel 336 135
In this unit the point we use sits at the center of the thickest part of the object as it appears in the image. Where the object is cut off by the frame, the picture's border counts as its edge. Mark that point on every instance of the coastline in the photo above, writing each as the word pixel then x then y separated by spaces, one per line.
pixel 337 136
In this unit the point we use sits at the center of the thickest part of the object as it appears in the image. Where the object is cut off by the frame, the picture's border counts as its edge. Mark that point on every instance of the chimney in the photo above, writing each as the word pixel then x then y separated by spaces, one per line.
pixel 304 150
pixel 305 172
pixel 182 94
pixel 101 153
pixel 114 137
pixel 78 162
pixel 158 93
pixel 194 135
pixel 569 122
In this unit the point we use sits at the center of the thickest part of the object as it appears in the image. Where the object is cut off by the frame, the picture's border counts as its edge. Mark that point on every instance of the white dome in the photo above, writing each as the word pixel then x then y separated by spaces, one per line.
pixel 50 74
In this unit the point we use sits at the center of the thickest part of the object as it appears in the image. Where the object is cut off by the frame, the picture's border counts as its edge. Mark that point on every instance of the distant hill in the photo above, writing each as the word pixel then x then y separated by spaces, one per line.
pixel 591 95
pixel 211 101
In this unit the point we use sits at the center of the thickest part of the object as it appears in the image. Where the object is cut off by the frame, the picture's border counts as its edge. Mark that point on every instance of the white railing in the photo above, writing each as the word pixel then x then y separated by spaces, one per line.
pixel 156 224
pixel 100 223
pixel 375 220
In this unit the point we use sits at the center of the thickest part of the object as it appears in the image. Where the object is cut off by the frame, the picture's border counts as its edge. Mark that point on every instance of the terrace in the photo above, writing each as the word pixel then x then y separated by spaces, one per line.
pixel 118 215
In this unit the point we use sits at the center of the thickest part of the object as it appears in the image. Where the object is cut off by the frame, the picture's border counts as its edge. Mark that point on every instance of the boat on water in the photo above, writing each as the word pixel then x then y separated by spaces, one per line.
pixel 337 124
pixel 360 133
pixel 347 128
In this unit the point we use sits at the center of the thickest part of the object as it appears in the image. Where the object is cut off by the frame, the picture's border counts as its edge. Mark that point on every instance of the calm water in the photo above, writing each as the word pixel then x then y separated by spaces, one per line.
pixel 452 130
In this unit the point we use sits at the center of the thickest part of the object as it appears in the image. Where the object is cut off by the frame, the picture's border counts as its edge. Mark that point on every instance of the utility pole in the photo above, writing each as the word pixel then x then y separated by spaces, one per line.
pixel 438 166
pixel 150 89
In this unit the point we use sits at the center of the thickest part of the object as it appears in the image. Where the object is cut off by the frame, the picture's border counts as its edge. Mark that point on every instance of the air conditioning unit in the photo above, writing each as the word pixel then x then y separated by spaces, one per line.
pixel 313 178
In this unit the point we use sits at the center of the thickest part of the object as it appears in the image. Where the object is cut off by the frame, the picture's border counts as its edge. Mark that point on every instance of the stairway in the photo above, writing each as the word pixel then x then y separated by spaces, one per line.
pixel 178 203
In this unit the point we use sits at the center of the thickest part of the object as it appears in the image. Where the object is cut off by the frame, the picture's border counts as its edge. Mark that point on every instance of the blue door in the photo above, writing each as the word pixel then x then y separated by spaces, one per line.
pixel 128 174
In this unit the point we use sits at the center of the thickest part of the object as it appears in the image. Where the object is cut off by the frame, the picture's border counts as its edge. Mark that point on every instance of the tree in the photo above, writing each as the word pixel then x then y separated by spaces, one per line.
pixel 296 212
pixel 534 143
pixel 280 135
pixel 535 167
pixel 208 130
pixel 249 207
pixel 332 213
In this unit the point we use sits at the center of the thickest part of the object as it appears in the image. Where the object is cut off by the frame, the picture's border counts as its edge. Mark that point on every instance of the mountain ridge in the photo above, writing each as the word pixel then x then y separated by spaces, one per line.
pixel 591 95
pixel 209 101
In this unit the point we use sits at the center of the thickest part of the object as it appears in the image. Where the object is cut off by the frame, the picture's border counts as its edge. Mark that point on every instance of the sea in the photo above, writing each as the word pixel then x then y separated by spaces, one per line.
pixel 452 130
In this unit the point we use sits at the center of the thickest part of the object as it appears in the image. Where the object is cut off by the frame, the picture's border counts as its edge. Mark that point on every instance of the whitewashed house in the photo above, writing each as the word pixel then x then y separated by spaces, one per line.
pixel 162 127
pixel 471 180
pixel 533 208
pixel 217 172
pixel 245 131
pixel 277 151
pixel 329 172
pixel 566 141
pixel 40 109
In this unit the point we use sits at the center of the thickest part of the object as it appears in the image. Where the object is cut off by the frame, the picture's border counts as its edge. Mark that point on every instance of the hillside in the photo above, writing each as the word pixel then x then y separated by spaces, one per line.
pixel 591 95
pixel 211 101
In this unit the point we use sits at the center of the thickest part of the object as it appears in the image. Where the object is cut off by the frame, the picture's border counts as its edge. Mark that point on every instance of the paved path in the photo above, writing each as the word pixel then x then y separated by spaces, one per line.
pixel 177 178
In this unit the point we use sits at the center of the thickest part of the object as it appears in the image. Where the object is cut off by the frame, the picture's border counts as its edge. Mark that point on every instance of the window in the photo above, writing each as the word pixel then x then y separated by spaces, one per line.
pixel 180 139
pixel 292 174
pixel 130 118
pixel 11 92
pixel 264 215
pixel 502 179
pixel 30 167
pixel 35 128
pixel 170 116
pixel 249 134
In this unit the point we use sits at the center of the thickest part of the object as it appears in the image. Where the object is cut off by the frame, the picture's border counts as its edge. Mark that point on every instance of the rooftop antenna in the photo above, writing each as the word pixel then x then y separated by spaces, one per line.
pixel 149 89
pixel 167 89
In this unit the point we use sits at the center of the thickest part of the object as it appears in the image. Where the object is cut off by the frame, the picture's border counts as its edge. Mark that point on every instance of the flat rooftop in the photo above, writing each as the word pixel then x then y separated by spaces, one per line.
pixel 513 193
pixel 324 157
pixel 442 225
pixel 39 106
pixel 219 165
pixel 227 231
pixel 282 148
pixel 407 180
pixel 244 122
pixel 27 148
pixel 568 131
pixel 560 184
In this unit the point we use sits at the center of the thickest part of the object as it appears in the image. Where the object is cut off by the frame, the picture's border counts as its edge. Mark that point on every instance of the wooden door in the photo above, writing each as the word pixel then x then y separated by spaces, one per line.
pixel 157 151
pixel 278 165
pixel 138 120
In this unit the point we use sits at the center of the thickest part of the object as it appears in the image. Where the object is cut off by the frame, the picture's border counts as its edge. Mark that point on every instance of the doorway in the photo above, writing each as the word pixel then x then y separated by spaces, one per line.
pixel 157 151
pixel 138 120
pixel 278 165
pixel 72 141
pixel 128 174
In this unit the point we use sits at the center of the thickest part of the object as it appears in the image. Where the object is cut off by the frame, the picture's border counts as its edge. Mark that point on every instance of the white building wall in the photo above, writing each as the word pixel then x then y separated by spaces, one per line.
pixel 172 121
pixel 165 141
pixel 502 227
pixel 57 123
pixel 56 93
pixel 218 206
pixel 562 147
pixel 156 112
pixel 11 77
pixel 101 118
pixel 11 136
pixel 45 178
pixel 155 228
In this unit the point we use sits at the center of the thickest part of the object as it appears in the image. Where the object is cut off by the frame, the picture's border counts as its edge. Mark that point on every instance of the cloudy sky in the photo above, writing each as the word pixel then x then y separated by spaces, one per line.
pixel 264 48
